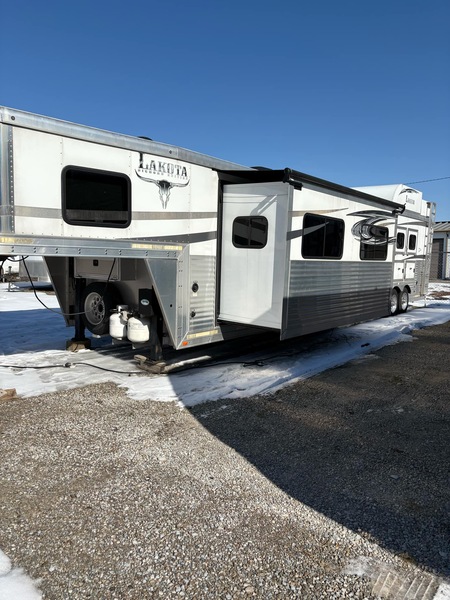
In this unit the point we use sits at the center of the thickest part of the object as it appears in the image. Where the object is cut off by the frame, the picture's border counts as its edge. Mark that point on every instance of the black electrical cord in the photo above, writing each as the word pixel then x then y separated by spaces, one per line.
pixel 56 311
pixel 255 363
pixel 105 369
pixel 69 366
pixel 428 180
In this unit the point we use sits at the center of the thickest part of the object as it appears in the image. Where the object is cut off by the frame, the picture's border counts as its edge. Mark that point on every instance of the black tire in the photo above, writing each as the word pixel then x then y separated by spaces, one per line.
pixel 97 301
pixel 403 302
pixel 393 303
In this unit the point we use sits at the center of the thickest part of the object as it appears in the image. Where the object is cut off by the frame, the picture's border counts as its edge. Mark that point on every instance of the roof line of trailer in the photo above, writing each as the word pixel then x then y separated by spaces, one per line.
pixel 297 180
pixel 20 118
pixel 227 170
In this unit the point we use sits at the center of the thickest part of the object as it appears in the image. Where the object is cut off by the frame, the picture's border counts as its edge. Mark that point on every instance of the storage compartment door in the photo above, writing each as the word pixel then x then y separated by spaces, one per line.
pixel 253 254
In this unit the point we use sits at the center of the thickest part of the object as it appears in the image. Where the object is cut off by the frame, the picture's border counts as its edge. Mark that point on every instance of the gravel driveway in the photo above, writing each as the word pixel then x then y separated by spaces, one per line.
pixel 269 497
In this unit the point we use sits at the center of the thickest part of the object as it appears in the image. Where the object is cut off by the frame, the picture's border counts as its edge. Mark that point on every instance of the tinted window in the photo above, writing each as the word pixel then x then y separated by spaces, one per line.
pixel 99 198
pixel 323 237
pixel 400 240
pixel 377 247
pixel 250 232
pixel 412 242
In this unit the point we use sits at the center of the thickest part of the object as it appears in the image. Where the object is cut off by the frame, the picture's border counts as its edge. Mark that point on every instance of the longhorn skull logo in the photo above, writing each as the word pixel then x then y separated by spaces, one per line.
pixel 166 175
pixel 164 188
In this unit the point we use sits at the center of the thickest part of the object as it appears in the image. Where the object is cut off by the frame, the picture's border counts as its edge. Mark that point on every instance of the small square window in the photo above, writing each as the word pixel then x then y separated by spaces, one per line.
pixel 250 232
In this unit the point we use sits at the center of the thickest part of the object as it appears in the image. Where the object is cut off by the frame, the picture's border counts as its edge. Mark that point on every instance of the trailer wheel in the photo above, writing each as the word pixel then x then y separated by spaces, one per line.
pixel 394 303
pixel 97 301
pixel 404 301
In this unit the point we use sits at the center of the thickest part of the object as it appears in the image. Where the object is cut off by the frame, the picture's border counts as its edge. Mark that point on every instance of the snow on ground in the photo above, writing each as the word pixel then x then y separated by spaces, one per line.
pixel 33 337
pixel 15 584
pixel 32 342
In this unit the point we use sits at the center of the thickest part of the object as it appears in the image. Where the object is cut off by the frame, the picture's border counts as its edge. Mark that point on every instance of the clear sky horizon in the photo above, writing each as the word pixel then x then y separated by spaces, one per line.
pixel 354 92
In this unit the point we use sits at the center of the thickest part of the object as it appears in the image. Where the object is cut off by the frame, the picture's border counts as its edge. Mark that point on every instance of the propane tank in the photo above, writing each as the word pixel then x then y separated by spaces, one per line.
pixel 118 323
pixel 138 329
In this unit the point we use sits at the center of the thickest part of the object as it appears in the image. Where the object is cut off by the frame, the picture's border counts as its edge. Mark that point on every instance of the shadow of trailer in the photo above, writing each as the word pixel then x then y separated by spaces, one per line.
pixel 166 247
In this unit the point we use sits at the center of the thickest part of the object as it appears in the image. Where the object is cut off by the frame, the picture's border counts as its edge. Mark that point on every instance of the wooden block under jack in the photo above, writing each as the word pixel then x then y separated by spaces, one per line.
pixel 76 345
pixel 157 367
pixel 8 394
pixel 162 367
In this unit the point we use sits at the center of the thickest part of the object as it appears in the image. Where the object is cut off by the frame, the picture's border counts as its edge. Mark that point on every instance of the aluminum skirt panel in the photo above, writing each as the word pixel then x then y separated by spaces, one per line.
pixel 327 294
pixel 202 301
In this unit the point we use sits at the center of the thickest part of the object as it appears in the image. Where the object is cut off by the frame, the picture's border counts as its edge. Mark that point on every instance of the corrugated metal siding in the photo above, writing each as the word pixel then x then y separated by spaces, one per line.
pixel 323 295
pixel 442 226
pixel 203 303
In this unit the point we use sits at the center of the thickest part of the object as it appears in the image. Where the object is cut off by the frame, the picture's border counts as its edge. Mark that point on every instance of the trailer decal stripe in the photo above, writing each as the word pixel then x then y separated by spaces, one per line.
pixel 419 221
pixel 183 238
pixel 290 235
pixel 32 211
pixel 164 216
pixel 55 213
pixel 302 213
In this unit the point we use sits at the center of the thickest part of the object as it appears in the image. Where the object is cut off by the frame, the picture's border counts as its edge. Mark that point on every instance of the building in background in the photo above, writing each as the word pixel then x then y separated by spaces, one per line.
pixel 440 261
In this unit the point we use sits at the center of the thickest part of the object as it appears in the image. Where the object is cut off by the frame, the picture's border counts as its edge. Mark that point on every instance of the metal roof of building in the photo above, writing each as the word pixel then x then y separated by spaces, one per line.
pixel 442 226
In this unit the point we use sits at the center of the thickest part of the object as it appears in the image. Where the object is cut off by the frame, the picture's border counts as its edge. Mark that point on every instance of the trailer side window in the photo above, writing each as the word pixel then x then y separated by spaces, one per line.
pixel 376 246
pixel 412 242
pixel 400 241
pixel 96 198
pixel 323 237
pixel 250 232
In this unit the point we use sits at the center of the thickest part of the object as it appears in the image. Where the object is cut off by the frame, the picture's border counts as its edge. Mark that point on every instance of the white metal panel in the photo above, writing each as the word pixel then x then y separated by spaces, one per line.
pixel 37 183
pixel 401 193
pixel 252 279
pixel 160 206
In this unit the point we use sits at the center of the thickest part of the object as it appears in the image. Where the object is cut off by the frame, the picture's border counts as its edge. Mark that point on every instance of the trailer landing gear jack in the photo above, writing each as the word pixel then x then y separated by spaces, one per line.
pixel 79 341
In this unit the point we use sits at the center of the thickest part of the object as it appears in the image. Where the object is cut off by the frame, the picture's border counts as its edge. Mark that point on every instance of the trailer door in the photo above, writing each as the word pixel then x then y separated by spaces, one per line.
pixel 407 247
pixel 400 254
pixel 253 253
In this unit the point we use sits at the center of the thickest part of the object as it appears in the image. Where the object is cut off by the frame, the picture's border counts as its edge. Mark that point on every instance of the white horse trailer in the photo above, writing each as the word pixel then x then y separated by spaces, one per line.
pixel 163 246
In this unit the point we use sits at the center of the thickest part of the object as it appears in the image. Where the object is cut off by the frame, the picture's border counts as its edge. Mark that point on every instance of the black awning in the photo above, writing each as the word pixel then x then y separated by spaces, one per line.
pixel 297 180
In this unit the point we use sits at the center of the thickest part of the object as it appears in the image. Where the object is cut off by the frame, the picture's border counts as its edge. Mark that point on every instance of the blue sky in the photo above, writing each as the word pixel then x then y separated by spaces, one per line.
pixel 356 92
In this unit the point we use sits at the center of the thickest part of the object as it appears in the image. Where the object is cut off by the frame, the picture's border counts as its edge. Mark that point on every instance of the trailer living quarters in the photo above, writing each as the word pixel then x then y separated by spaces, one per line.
pixel 165 246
